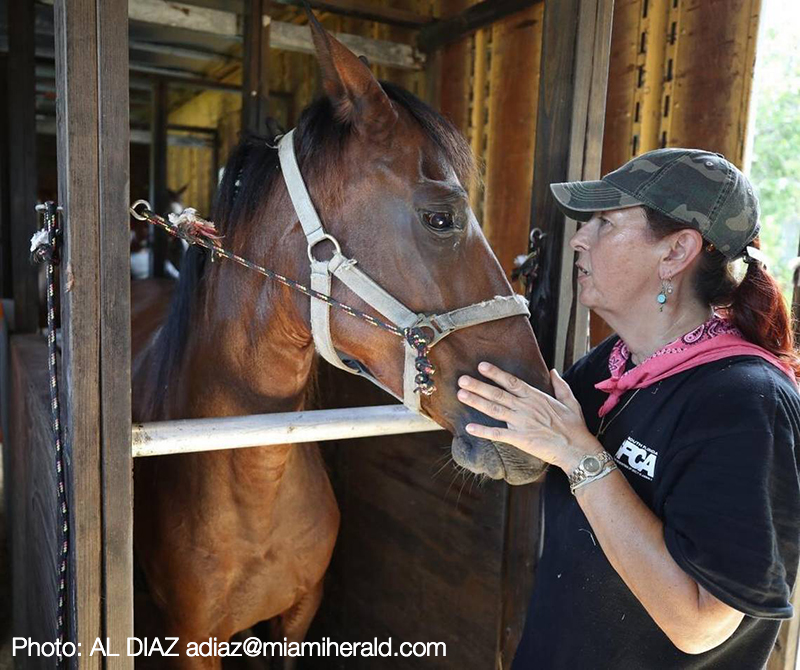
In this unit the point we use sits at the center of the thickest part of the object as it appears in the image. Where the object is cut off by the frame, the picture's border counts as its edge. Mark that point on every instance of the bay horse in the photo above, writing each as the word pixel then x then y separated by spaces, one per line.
pixel 230 538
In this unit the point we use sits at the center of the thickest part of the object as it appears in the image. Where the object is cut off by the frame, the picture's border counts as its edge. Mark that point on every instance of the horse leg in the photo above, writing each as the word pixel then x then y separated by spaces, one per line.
pixel 293 624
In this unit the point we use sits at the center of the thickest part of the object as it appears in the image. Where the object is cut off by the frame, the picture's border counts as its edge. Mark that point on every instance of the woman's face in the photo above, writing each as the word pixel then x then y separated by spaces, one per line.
pixel 617 261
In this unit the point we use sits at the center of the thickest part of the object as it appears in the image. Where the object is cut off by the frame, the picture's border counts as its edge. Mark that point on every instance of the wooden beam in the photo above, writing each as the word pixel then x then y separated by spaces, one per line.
pixel 115 324
pixel 284 36
pixel 439 33
pixel 291 37
pixel 711 75
pixel 357 9
pixel 569 134
pixel 158 177
pixel 255 77
pixel 511 134
pixel 78 187
pixel 22 156
pixel 6 275
pixel 368 11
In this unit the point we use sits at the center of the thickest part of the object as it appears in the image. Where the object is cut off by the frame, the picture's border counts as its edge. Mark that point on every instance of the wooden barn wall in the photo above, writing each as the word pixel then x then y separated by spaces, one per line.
pixel 489 90
pixel 680 76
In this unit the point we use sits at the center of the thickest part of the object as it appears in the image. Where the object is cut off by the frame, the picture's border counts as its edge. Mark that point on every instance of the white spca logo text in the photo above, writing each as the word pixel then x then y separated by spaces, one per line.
pixel 637 457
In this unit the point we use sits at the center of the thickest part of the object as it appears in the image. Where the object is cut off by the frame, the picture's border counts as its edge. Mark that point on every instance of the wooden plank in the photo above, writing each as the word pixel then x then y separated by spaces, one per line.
pixel 78 170
pixel 6 275
pixel 22 155
pixel 285 36
pixel 115 330
pixel 367 11
pixel 395 571
pixel 255 76
pixel 516 49
pixel 296 38
pixel 574 70
pixel 158 176
pixel 711 76
pixel 436 35
pixel 455 74
pixel 32 494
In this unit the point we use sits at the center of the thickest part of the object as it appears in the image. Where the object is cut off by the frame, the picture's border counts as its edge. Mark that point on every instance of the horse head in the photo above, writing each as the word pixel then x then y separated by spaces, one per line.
pixel 387 177
pixel 393 192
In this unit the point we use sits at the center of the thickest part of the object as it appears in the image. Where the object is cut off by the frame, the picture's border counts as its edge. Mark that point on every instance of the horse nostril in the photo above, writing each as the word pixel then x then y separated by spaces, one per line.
pixel 477 455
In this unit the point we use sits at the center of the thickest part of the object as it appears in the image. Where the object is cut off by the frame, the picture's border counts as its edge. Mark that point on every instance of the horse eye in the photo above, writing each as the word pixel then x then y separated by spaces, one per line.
pixel 438 220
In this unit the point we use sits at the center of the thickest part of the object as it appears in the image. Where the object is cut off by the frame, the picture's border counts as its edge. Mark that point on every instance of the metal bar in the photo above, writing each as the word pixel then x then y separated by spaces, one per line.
pixel 172 437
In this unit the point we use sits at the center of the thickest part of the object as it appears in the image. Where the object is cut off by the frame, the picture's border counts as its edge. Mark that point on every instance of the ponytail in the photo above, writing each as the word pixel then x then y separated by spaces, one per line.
pixel 754 305
pixel 757 309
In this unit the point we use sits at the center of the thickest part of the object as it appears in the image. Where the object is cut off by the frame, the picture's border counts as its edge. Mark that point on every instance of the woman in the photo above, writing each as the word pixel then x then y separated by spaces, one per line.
pixel 672 510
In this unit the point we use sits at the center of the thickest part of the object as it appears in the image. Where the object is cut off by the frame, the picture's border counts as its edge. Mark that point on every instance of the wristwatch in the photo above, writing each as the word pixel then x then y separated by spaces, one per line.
pixel 589 467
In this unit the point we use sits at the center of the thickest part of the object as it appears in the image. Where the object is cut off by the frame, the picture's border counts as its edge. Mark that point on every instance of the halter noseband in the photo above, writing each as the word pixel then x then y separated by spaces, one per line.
pixel 376 297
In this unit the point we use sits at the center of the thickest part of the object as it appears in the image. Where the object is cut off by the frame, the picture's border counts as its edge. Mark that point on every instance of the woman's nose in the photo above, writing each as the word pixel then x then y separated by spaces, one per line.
pixel 578 240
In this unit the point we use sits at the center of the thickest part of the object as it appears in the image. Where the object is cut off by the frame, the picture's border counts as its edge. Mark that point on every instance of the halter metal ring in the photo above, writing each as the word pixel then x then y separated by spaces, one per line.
pixel 145 207
pixel 330 238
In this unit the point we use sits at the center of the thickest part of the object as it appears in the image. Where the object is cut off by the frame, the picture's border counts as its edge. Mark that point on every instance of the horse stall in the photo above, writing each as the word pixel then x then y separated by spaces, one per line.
pixel 151 98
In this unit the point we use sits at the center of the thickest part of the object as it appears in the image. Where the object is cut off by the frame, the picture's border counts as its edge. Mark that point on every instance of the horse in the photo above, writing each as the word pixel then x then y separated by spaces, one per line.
pixel 230 538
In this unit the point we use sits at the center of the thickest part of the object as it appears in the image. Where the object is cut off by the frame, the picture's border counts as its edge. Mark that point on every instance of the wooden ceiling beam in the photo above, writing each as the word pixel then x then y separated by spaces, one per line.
pixel 440 33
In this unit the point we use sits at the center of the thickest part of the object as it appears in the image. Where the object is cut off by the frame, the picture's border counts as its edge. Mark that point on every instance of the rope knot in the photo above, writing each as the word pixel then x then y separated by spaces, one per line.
pixel 43 248
pixel 194 228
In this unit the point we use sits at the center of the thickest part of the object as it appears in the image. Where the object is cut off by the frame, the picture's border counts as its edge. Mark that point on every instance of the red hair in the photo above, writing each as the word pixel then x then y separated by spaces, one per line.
pixel 754 305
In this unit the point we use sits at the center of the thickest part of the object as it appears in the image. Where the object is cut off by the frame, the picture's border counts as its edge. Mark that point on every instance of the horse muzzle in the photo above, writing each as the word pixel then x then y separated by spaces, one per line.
pixel 496 460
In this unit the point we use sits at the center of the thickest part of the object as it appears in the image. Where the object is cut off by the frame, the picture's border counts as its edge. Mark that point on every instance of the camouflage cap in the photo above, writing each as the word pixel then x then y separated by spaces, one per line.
pixel 699 188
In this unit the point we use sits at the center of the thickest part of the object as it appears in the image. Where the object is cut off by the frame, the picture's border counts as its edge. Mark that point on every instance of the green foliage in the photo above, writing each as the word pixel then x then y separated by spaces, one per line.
pixel 775 169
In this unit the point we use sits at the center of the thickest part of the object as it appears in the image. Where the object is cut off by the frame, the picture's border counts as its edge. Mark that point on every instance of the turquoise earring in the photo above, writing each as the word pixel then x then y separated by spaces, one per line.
pixel 666 289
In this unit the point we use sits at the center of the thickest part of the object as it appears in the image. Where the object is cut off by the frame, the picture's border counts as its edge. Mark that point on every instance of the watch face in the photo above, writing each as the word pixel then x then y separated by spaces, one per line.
pixel 591 465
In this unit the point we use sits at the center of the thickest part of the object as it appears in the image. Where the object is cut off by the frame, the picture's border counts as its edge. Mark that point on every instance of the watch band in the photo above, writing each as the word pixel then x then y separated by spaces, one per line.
pixel 579 473
pixel 606 470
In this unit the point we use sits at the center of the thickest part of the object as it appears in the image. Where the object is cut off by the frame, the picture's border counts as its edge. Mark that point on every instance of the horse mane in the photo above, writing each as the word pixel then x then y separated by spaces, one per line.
pixel 248 179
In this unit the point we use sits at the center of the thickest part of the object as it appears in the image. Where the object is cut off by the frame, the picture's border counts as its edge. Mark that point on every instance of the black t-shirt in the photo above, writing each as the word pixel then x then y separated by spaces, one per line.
pixel 713 452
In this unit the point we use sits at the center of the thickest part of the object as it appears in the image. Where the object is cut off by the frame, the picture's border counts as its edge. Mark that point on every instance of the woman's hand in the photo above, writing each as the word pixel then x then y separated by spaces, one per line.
pixel 551 429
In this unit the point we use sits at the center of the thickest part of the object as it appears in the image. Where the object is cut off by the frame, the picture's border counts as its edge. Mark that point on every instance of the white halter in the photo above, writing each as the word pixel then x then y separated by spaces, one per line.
pixel 365 288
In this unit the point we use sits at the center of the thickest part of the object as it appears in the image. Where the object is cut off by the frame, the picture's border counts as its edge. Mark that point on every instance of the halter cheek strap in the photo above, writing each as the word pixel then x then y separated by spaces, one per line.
pixel 346 270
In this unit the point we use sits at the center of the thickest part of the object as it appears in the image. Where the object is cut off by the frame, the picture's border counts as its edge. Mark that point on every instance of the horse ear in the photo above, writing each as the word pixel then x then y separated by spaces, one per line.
pixel 356 95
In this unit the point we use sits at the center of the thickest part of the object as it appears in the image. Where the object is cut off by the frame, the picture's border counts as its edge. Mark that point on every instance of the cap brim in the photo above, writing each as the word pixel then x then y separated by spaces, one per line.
pixel 580 199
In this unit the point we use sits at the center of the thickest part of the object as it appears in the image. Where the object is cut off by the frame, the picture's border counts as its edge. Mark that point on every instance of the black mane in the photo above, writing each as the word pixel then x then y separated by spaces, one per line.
pixel 247 182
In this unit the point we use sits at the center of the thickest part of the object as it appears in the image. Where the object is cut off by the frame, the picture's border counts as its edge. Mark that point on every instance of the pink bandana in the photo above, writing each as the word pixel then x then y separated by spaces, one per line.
pixel 716 338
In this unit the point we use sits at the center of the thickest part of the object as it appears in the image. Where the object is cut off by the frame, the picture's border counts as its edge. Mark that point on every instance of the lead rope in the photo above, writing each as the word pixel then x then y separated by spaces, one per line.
pixel 44 249
pixel 195 230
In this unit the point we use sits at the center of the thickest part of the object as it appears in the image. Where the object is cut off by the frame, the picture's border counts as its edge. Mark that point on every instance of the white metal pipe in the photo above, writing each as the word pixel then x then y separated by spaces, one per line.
pixel 174 437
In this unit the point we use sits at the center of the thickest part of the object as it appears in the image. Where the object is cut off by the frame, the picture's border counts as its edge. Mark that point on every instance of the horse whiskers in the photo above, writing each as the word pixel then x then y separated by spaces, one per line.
pixel 447 460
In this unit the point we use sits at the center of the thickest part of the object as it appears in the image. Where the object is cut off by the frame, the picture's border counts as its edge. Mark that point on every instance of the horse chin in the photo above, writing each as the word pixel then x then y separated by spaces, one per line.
pixel 496 460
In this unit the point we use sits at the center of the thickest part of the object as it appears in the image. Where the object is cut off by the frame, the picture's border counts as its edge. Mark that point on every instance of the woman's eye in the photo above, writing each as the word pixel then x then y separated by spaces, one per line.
pixel 438 220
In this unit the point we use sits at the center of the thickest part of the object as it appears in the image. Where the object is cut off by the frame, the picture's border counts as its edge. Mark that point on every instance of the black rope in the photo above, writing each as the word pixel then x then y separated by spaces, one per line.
pixel 45 249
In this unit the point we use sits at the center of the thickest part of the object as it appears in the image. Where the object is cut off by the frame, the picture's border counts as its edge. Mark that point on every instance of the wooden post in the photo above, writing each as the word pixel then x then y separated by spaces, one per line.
pixel 574 70
pixel 255 78
pixel 115 326
pixel 159 197
pixel 6 281
pixel 92 95
pixel 22 155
